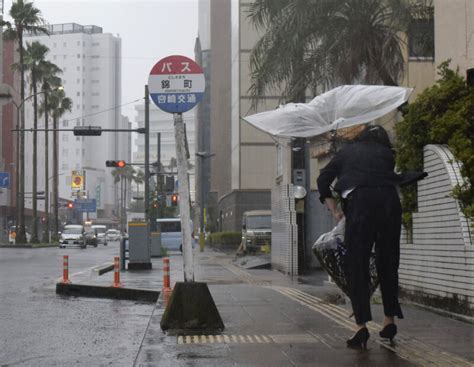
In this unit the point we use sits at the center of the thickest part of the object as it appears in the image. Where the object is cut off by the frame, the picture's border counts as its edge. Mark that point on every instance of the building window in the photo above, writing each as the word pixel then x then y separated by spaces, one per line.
pixel 83 152
pixel 65 152
pixel 78 68
pixel 96 94
pixel 54 44
pixel 95 56
pixel 65 44
pixel 65 137
pixel 78 43
pixel 65 123
pixel 421 39
pixel 64 57
pixel 95 81
pixel 78 107
pixel 78 81
pixel 78 94
pixel 78 138
pixel 64 69
pixel 65 167
pixel 78 122
pixel 95 106
pixel 78 56
pixel 78 151
pixel 78 166
pixel 54 57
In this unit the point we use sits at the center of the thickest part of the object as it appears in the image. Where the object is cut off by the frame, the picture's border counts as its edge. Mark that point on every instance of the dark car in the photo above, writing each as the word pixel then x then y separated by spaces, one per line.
pixel 90 237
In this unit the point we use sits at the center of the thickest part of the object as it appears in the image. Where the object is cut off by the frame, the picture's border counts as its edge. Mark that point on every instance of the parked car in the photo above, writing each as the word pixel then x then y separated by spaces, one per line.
pixel 90 237
pixel 73 235
pixel 100 231
pixel 112 235
pixel 171 235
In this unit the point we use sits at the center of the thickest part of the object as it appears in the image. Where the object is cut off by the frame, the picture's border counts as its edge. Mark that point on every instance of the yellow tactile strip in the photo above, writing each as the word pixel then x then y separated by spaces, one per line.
pixel 248 339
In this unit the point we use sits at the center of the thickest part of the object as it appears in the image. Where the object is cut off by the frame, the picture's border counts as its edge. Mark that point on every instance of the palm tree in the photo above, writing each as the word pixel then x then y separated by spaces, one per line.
pixel 35 54
pixel 139 178
pixel 50 81
pixel 26 18
pixel 318 44
pixel 59 104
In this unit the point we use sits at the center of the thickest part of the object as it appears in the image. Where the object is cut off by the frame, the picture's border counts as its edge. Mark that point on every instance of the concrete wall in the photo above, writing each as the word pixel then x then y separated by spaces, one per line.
pixel 437 268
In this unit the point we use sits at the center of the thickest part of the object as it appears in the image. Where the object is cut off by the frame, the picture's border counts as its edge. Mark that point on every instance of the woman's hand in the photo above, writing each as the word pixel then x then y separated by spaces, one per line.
pixel 332 206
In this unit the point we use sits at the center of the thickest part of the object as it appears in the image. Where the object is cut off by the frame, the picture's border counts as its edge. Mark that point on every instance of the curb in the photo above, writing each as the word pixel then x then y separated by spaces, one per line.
pixel 93 291
pixel 104 268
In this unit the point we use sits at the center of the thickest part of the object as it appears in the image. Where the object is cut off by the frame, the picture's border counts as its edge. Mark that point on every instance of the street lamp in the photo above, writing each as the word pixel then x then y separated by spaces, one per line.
pixel 20 163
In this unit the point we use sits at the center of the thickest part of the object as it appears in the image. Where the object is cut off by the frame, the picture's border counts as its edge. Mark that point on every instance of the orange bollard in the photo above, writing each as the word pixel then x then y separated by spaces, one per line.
pixel 117 283
pixel 166 280
pixel 66 269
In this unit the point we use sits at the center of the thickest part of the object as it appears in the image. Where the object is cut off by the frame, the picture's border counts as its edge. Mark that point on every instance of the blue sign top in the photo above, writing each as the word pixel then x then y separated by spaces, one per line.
pixel 85 205
pixel 5 180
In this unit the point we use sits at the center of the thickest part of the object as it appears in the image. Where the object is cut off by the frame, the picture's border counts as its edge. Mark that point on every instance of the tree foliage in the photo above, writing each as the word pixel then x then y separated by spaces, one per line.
pixel 441 114
pixel 318 44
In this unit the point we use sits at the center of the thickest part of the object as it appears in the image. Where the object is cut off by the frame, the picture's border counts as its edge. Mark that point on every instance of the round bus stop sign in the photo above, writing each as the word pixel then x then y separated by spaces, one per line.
pixel 176 84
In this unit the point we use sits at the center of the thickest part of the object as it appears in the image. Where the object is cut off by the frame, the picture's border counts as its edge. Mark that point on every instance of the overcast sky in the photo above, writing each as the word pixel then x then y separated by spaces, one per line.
pixel 149 29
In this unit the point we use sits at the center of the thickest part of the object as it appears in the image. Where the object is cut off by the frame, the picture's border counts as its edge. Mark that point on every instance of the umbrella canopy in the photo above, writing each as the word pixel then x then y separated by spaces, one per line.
pixel 344 106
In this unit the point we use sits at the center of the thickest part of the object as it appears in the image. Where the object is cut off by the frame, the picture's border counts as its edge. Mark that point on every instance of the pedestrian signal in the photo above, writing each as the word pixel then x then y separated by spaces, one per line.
pixel 118 164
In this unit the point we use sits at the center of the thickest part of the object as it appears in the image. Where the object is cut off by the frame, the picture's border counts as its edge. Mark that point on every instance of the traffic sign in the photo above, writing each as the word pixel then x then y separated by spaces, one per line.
pixel 5 180
pixel 77 180
pixel 176 84
pixel 85 205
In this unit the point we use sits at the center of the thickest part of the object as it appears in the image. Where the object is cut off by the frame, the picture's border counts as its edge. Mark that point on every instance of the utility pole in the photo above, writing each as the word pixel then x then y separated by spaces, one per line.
pixel 147 164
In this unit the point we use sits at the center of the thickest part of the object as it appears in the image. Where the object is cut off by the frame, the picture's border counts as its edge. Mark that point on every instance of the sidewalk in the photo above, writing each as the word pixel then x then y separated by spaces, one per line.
pixel 272 320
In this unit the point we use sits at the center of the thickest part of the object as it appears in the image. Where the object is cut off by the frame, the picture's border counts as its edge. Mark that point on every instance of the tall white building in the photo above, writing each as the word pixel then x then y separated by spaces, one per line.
pixel 162 122
pixel 91 65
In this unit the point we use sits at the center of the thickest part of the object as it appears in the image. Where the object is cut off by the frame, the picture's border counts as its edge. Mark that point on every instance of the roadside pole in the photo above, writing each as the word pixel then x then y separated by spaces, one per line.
pixel 147 167
pixel 183 191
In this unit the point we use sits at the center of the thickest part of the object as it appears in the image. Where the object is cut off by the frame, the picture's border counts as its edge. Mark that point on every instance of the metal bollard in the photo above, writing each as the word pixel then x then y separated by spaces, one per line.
pixel 66 270
pixel 117 283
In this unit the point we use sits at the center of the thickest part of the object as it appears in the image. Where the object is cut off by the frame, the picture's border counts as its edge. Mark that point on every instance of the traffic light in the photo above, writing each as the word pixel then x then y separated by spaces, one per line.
pixel 87 131
pixel 70 205
pixel 174 200
pixel 118 164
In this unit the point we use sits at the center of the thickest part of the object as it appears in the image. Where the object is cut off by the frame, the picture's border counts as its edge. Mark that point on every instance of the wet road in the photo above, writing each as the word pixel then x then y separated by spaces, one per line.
pixel 39 328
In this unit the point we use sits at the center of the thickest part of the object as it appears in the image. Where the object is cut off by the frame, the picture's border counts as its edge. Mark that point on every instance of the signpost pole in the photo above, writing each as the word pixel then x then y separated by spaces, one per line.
pixel 183 191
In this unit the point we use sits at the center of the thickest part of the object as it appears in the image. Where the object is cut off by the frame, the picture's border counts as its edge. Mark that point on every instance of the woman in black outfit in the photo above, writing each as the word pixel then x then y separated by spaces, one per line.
pixel 366 181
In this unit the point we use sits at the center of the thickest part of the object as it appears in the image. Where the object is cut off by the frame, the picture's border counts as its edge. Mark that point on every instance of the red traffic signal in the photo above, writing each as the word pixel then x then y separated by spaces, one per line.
pixel 119 164
pixel 174 199
pixel 70 205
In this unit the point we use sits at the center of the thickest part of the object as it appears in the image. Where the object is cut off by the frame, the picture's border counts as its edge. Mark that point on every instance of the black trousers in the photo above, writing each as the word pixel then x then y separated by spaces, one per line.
pixel 373 216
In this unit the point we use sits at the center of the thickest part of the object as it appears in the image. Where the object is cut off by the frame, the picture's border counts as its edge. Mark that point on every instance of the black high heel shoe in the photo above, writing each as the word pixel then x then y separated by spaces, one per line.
pixel 359 340
pixel 389 331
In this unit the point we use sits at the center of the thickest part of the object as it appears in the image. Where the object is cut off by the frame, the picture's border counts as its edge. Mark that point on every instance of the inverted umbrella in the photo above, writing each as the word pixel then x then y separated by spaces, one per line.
pixel 344 106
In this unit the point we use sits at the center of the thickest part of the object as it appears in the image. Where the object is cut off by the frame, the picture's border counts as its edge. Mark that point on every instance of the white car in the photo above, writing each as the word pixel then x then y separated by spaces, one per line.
pixel 73 235
pixel 112 235
pixel 100 231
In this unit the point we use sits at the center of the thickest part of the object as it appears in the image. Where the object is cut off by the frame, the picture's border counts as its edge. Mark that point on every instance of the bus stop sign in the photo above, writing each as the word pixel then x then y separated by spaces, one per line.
pixel 176 84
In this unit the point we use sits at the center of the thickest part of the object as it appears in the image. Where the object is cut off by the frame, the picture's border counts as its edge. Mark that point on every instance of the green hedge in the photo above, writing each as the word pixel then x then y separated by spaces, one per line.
pixel 232 239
